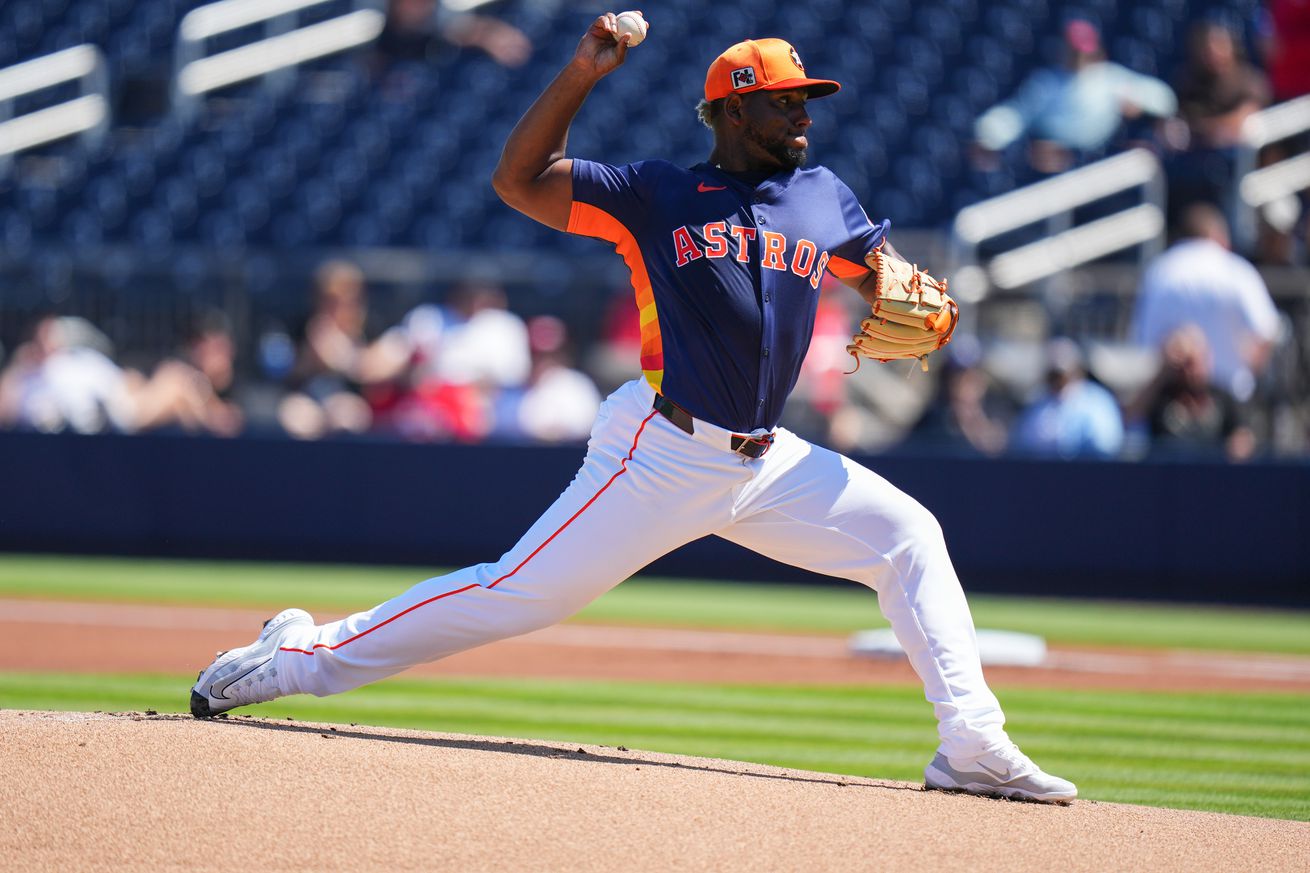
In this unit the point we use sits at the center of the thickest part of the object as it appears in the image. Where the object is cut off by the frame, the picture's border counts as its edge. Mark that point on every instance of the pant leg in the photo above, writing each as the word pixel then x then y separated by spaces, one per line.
pixel 636 497
pixel 813 508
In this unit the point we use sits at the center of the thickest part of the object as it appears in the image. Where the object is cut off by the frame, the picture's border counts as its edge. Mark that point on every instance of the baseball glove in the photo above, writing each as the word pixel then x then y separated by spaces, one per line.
pixel 912 314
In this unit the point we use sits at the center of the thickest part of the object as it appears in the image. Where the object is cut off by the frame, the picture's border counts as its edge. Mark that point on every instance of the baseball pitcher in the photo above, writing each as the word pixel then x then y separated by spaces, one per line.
pixel 726 260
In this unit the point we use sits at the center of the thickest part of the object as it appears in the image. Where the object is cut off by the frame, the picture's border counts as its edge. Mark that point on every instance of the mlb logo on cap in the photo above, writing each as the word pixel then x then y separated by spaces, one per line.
pixel 743 78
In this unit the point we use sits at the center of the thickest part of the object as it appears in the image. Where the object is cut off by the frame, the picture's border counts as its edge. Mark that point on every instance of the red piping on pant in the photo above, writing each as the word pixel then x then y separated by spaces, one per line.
pixel 623 468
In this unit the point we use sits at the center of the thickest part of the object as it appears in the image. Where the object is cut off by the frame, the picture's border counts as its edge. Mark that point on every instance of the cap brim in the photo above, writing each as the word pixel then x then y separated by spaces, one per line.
pixel 815 87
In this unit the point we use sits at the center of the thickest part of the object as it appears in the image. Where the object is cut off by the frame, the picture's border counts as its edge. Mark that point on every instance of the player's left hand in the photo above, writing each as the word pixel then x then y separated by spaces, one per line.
pixel 912 314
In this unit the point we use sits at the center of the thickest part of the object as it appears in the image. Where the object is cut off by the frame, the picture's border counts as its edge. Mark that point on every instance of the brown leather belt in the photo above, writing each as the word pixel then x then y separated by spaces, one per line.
pixel 750 445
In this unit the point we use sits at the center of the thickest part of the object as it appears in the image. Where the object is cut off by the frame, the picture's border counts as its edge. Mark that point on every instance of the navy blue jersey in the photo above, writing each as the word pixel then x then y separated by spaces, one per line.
pixel 726 275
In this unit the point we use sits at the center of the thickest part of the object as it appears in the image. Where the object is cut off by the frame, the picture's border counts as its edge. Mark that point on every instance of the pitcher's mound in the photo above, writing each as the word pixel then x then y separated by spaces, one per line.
pixel 164 792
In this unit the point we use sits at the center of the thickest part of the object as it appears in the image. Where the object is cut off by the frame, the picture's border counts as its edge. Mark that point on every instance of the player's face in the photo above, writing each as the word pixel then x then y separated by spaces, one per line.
pixel 774 126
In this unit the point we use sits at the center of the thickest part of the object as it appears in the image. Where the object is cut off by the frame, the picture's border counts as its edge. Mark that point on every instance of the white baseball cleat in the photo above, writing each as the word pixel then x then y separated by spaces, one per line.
pixel 1003 772
pixel 246 675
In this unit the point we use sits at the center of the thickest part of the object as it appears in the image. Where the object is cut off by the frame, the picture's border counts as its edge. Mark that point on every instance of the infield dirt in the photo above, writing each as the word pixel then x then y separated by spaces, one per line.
pixel 38 635
pixel 128 791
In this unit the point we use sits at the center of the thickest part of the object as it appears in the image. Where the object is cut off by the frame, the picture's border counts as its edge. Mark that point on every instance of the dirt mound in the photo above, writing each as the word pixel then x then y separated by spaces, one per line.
pixel 162 792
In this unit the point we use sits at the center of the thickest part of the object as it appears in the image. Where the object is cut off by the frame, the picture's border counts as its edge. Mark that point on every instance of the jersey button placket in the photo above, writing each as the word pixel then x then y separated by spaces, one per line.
pixel 766 338
pixel 766 315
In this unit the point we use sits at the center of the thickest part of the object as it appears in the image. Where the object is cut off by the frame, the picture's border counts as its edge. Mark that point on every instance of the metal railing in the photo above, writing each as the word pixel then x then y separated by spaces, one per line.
pixel 86 115
pixel 283 43
pixel 1257 188
pixel 1064 246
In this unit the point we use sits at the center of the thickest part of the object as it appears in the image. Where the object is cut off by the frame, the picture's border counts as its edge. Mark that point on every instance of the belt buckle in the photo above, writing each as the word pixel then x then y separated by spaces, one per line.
pixel 759 437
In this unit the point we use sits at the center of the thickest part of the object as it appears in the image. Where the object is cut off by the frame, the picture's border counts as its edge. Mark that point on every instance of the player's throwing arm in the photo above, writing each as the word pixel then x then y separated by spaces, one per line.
pixel 533 175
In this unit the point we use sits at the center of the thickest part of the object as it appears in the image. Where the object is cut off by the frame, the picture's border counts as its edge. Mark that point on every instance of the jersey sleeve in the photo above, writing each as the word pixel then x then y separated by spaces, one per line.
pixel 861 235
pixel 606 198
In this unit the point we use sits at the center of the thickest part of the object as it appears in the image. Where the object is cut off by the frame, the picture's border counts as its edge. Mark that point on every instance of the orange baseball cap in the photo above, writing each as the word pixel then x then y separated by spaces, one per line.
pixel 762 65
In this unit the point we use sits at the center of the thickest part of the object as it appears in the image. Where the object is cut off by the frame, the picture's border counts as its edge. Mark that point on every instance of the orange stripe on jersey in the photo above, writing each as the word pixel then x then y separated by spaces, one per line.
pixel 844 269
pixel 588 220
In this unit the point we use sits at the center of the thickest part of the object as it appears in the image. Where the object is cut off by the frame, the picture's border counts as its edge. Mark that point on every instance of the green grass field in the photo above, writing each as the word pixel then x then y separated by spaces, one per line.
pixel 1226 752
pixel 1239 753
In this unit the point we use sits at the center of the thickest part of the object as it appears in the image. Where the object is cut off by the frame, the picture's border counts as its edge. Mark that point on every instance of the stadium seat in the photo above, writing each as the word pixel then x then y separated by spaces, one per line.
pixel 320 163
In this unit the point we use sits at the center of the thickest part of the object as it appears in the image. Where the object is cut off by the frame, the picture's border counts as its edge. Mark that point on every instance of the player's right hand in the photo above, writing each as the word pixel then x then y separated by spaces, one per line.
pixel 601 50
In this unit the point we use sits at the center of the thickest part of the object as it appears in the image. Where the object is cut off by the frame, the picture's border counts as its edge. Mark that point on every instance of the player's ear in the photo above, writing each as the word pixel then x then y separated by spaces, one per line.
pixel 732 108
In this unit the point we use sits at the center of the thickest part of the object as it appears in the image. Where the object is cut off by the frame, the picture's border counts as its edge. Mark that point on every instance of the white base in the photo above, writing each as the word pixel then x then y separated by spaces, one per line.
pixel 995 648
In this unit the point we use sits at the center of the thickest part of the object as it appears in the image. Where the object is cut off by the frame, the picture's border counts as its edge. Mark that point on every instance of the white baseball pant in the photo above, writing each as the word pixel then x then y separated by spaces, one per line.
pixel 645 488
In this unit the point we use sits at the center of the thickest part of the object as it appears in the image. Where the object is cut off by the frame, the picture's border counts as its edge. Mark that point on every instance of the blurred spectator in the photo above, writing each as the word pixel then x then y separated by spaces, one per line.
pixel 1071 113
pixel 326 376
pixel 559 403
pixel 1217 88
pixel 1283 231
pixel 1200 281
pixel 482 340
pixel 1075 418
pixel 194 391
pixel 416 30
pixel 831 404
pixel 1217 91
pixel 616 357
pixel 1182 410
pixel 454 361
pixel 969 411
pixel 62 379
pixel 1287 46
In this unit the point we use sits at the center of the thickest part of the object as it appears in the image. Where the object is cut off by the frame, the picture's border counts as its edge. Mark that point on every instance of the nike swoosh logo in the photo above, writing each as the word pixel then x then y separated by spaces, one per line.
pixel 221 693
pixel 1003 776
pixel 703 188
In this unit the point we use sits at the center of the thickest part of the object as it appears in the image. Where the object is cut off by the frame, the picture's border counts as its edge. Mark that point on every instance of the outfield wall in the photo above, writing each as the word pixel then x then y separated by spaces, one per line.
pixel 1196 531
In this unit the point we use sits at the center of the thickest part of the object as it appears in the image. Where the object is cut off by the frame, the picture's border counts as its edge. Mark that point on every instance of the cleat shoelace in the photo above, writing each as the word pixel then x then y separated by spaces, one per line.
pixel 1020 763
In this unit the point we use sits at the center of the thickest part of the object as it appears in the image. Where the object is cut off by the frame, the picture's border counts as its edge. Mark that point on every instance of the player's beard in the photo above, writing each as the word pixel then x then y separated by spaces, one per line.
pixel 789 158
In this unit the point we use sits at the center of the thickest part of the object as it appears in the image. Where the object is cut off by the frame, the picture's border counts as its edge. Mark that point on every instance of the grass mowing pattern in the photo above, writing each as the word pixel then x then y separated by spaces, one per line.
pixel 649 601
pixel 202 583
pixel 1238 753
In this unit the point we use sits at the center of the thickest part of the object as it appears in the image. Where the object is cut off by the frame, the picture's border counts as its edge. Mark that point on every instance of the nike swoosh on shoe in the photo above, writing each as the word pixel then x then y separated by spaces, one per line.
pixel 1004 776
pixel 221 693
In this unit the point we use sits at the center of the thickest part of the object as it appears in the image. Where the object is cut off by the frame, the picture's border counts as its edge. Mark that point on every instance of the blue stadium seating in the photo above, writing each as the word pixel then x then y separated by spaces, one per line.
pixel 371 154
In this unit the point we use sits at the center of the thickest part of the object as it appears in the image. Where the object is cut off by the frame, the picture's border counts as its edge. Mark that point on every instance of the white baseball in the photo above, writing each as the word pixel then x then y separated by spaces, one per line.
pixel 632 24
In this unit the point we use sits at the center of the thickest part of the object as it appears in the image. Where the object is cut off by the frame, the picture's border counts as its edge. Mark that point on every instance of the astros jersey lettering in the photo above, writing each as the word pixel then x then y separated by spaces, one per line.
pixel 726 275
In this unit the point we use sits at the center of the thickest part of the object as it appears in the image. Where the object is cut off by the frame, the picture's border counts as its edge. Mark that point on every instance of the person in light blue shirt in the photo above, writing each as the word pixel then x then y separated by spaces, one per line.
pixel 1075 418
pixel 1073 112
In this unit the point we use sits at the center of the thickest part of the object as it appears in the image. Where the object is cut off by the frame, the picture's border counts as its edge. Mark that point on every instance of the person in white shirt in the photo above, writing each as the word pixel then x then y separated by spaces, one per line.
pixel 1200 281
pixel 61 379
